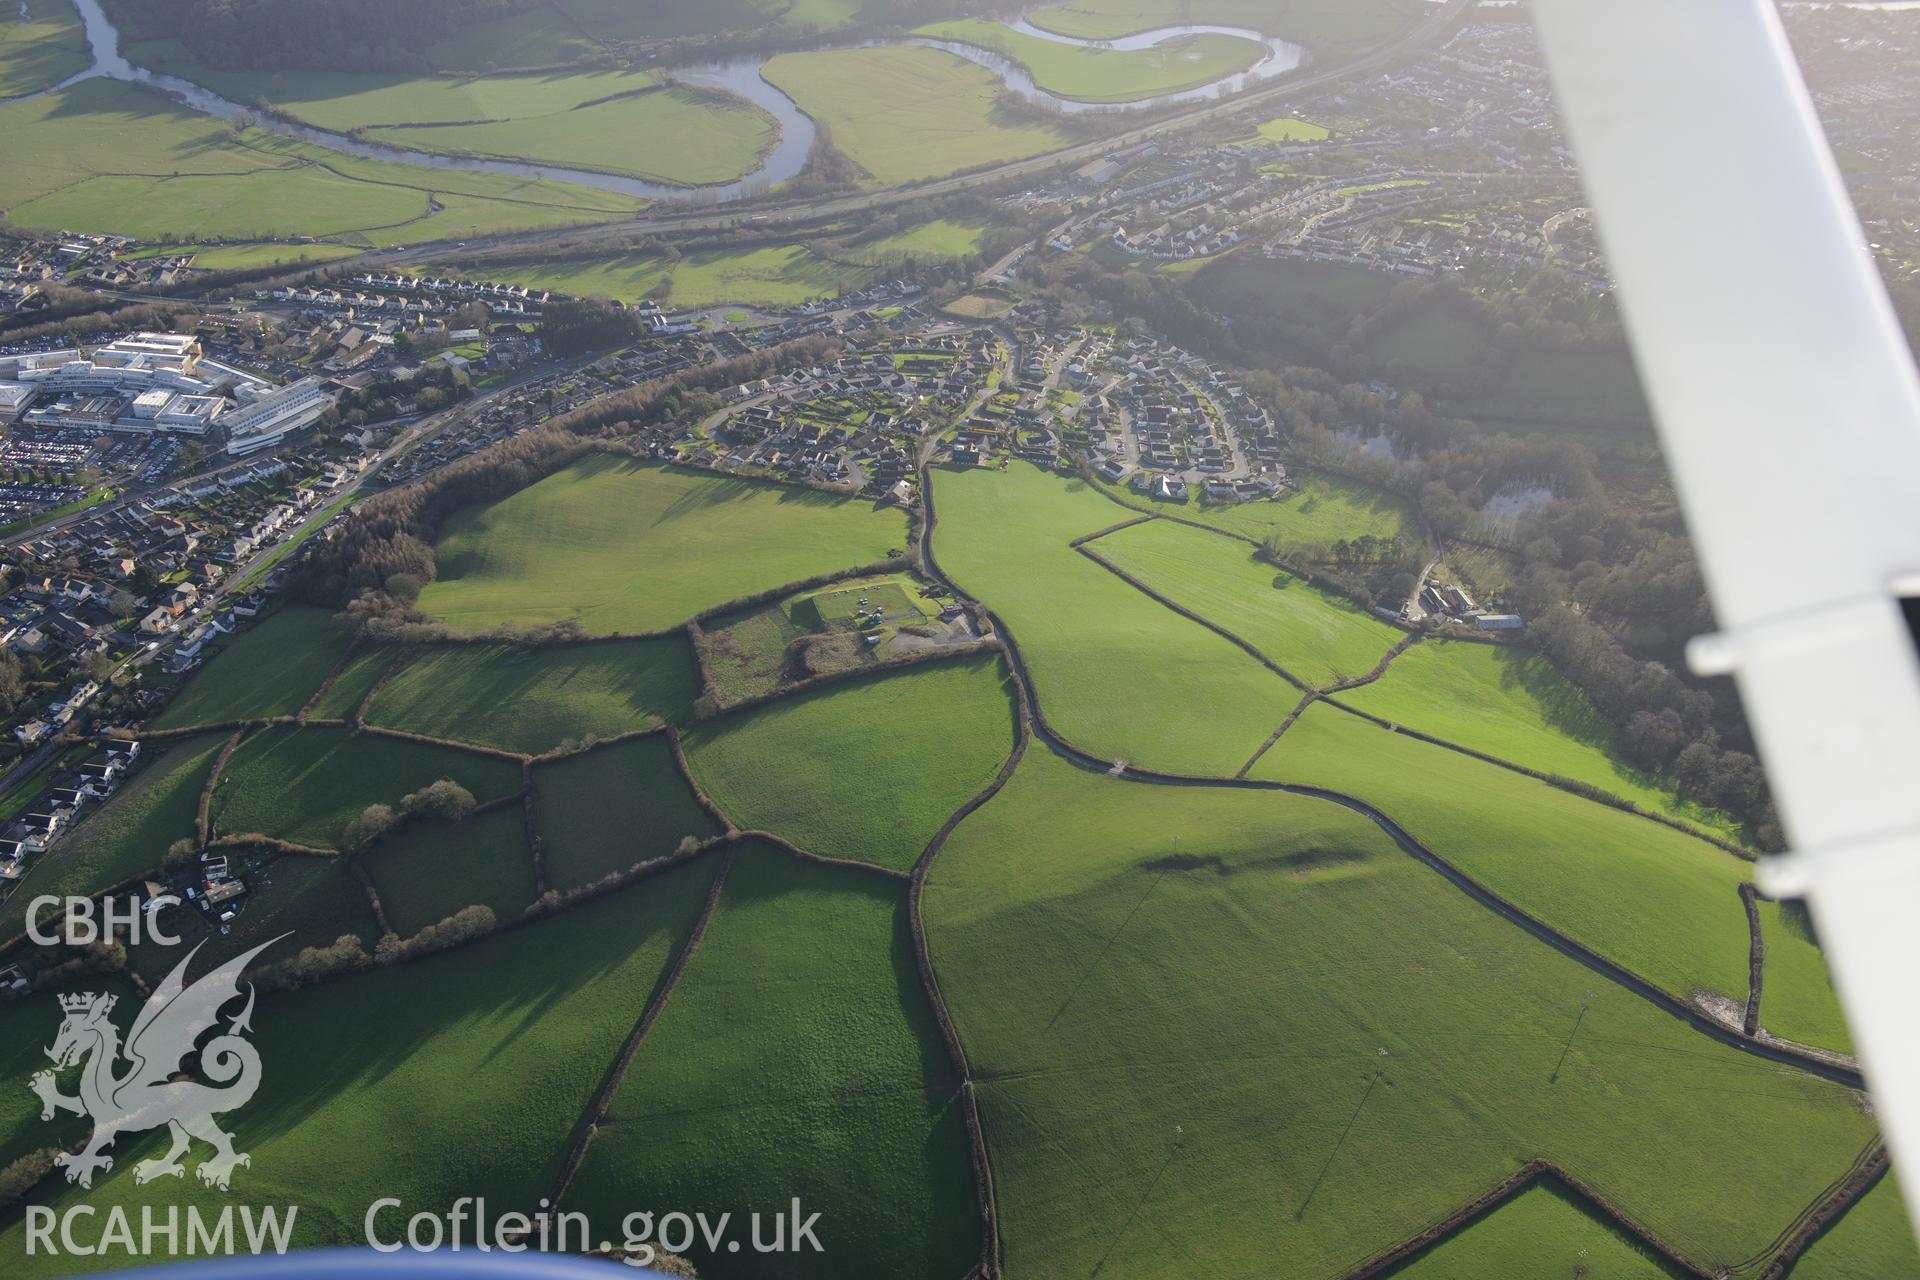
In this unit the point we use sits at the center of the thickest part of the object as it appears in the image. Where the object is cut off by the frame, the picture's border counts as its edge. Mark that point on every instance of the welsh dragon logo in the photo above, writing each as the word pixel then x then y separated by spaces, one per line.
pixel 139 1085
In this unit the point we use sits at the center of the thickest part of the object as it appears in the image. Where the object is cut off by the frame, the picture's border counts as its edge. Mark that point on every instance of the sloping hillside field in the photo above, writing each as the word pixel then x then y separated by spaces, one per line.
pixel 1118 673
pixel 1384 1050
pixel 625 547
pixel 1115 942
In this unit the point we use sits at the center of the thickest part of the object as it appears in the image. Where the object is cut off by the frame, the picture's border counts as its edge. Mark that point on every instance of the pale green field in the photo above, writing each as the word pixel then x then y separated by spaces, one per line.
pixel 1281 1045
pixel 612 121
pixel 1874 1241
pixel 943 238
pixel 41 44
pixel 625 547
pixel 1658 902
pixel 1319 638
pixel 1290 129
pixel 770 276
pixel 797 1058
pixel 1107 75
pixel 1118 673
pixel 1544 1231
pixel 780 275
pixel 904 113
pixel 535 699
pixel 104 156
pixel 830 770
pixel 1513 705
pixel 230 257
pixel 1321 512
pixel 1797 1000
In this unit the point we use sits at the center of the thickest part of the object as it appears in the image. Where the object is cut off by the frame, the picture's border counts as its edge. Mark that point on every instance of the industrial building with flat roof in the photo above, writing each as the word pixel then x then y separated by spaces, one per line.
pixel 272 417
pixel 154 383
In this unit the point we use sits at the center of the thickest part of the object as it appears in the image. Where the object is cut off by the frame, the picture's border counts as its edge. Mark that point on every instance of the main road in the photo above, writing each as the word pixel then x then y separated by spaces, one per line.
pixel 1428 33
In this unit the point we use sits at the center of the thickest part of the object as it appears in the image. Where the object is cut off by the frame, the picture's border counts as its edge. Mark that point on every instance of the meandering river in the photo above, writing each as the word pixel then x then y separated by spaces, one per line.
pixel 740 76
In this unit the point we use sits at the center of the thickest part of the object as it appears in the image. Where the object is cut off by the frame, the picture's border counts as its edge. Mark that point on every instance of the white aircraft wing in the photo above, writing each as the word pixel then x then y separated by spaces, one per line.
pixel 1789 409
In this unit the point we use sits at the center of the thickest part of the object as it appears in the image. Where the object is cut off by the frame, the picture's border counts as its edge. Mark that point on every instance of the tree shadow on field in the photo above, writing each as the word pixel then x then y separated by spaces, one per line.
pixel 719 490
pixel 1563 707
pixel 349 1035
pixel 1299 860
pixel 647 679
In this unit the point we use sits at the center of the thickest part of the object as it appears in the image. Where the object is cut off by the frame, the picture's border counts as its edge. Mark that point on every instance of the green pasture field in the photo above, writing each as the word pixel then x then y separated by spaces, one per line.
pixel 1430 341
pixel 1311 22
pixel 1546 1230
pixel 344 696
pixel 432 869
pixel 1384 1051
pixel 770 275
pixel 630 547
pixel 41 44
pixel 1598 386
pixel 315 900
pixel 414 1080
pixel 942 239
pixel 605 811
pixel 106 156
pixel 906 112
pixel 306 784
pixel 128 835
pixel 1292 129
pixel 1659 902
pixel 232 257
pixel 1118 673
pixel 1872 1242
pixel 797 1057
pixel 306 200
pixel 866 770
pixel 269 670
pixel 1512 704
pixel 1797 1001
pixel 1320 638
pixel 534 699
pixel 610 121
pixel 1324 510
pixel 1090 74
pixel 27 1028
pixel 1363 188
